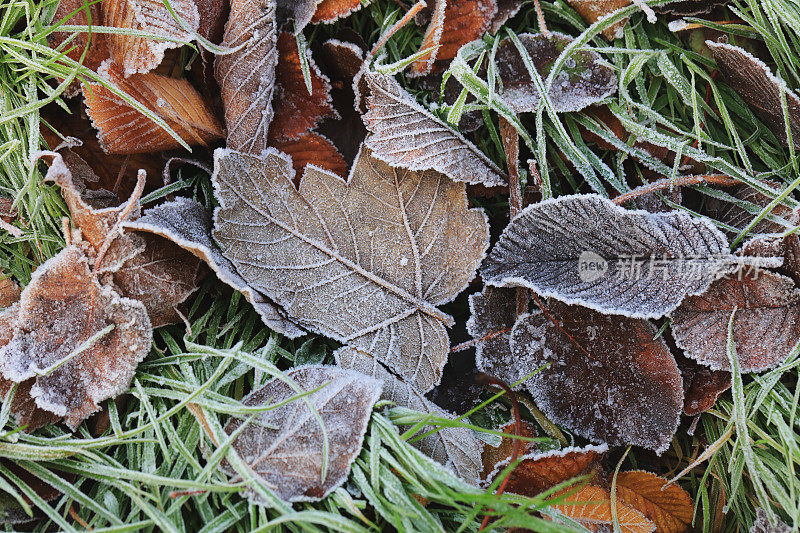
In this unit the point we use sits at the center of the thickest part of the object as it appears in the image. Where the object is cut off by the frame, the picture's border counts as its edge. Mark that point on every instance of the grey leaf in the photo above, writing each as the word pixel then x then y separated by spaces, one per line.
pixel 365 262
pixel 187 223
pixel 584 249
pixel 455 448
pixel 405 134
pixel 247 76
pixel 284 445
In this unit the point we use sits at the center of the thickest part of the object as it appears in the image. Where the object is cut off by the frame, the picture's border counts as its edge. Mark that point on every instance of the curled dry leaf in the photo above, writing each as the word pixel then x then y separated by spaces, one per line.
pixel 759 88
pixel 609 378
pixel 454 447
pixel 492 456
pixel 591 506
pixel 315 149
pixel 213 14
pixel 766 325
pixel 365 261
pixel 540 471
pixel 584 249
pixel 247 76
pixel 670 508
pixel 284 446
pixel 593 10
pixel 405 134
pixel 333 10
pixel 121 129
pixel 702 386
pixel 75 337
pixel 187 223
pixel 136 54
pixel 583 80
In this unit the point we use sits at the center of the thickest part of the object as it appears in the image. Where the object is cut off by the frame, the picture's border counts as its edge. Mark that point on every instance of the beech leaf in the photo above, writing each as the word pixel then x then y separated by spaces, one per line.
pixel 405 134
pixel 670 508
pixel 365 261
pixel 609 378
pixel 584 249
pixel 766 324
pixel 591 506
pixel 285 445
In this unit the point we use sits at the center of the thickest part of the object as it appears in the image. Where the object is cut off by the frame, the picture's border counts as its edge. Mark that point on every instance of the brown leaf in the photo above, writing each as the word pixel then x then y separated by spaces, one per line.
pixel 670 508
pixel 491 456
pixel 284 445
pixel 294 14
pixel 297 111
pixel 312 148
pixel 540 471
pixel 247 77
pixel 591 506
pixel 766 323
pixel 9 291
pixel 506 9
pixel 213 14
pixel 702 386
pixel 759 88
pixel 123 130
pixel 139 55
pixel 610 379
pixel 740 217
pixel 365 261
pixel 77 338
pixel 684 8
pixel 593 10
pixel 333 10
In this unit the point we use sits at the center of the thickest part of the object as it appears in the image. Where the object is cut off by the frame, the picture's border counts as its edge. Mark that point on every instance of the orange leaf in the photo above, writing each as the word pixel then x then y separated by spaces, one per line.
pixel 671 509
pixel 591 505
pixel 593 10
pixel 331 10
pixel 315 149
pixel 538 472
pixel 491 455
pixel 123 130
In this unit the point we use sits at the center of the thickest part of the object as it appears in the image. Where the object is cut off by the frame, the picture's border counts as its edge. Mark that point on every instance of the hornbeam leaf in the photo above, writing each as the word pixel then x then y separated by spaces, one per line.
pixel 584 249
pixel 365 261
pixel 285 445
pixel 405 134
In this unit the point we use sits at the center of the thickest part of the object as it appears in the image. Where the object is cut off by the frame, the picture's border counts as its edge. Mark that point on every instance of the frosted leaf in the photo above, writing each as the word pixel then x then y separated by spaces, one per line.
pixel 765 329
pixel 138 55
pixel 591 507
pixel 765 524
pixel 60 311
pixel 247 77
pixel 333 10
pixel 187 223
pixel 9 291
pixel 311 148
pixel 609 379
pixel 213 14
pixel 748 202
pixel 702 386
pixel 759 88
pixel 493 313
pixel 491 455
pixel 284 445
pixel 582 81
pixel 593 10
pixel 365 261
pixel 584 249
pixel 456 448
pixel 669 507
pixel 405 134
pixel 295 14
pixel 506 9
pixel 121 129
pixel 539 471
pixel 78 13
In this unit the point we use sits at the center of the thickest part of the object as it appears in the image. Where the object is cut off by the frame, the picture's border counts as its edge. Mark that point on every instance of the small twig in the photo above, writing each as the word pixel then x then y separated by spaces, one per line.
pixel 469 344
pixel 510 138
pixel 78 519
pixel 668 183
pixel 397 25
pixel 179 493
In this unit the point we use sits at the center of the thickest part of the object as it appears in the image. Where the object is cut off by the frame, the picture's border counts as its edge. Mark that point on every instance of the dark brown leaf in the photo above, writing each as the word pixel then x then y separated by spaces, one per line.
pixel 213 14
pixel 293 15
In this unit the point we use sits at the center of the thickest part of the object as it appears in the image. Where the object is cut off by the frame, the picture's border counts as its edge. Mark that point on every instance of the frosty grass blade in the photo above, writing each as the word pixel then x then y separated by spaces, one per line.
pixel 285 445
pixel 584 249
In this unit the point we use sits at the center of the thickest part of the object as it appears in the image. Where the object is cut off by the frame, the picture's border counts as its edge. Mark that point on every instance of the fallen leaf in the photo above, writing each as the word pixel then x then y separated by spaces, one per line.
pixel 766 325
pixel 284 445
pixel 593 10
pixel 506 9
pixel 139 55
pixel 746 203
pixel 586 250
pixel 702 386
pixel 591 506
pixel 609 379
pixel 11 512
pixel 583 80
pixel 294 14
pixel 365 262
pixel 670 508
pixel 405 134
pixel 759 88
pixel 315 149
pixel 9 291
pixel 432 39
pixel 61 314
pixel 121 129
pixel 540 471
pixel 454 447
pixel 247 76
pixel 491 455
pixel 688 8
pixel 765 524
pixel 333 10
pixel 186 223
pixel 213 14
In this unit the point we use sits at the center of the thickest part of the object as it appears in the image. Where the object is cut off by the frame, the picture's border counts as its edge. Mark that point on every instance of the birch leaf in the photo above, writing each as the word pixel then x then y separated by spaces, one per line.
pixel 609 378
pixel 766 324
pixel 247 76
pixel 365 261
pixel 284 445
pixel 138 55
pixel 405 134
pixel 454 447
pixel 586 250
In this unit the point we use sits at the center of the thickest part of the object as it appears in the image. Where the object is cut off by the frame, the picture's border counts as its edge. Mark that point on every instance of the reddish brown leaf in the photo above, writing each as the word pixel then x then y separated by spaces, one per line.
pixel 669 508
pixel 213 14
pixel 702 386
pixel 123 130
pixel 138 55
pixel 312 148
pixel 505 10
pixel 491 456
pixel 9 291
pixel 591 506
pixel 332 10
pixel 593 10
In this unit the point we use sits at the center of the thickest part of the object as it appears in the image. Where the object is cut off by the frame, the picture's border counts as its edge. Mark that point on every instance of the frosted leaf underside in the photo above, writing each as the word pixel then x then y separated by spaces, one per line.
pixel 583 249
pixel 405 134
pixel 284 445
pixel 364 262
